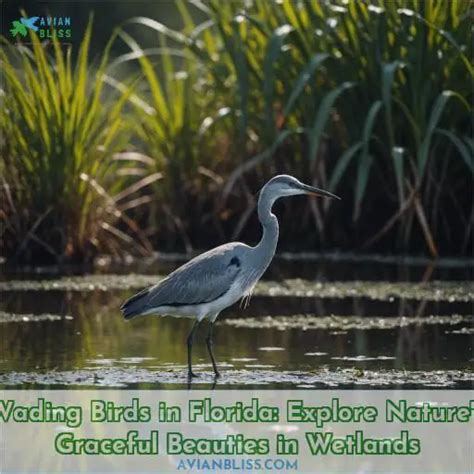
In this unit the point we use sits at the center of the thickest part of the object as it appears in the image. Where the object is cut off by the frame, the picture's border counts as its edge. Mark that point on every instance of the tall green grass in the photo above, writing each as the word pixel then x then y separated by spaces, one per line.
pixel 173 128
pixel 64 183
pixel 368 99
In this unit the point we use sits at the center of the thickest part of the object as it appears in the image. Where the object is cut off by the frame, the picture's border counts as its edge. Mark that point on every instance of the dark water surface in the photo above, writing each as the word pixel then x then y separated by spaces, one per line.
pixel 313 322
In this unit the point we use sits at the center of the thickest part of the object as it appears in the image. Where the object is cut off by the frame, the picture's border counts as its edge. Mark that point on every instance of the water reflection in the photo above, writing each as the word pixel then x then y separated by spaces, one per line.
pixel 96 336
pixel 86 341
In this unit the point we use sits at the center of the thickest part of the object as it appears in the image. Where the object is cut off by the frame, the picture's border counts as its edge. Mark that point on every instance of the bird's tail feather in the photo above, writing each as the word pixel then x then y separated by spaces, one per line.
pixel 136 305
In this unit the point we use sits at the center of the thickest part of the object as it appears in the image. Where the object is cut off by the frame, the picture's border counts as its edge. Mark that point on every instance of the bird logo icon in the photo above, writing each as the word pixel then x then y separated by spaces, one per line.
pixel 23 25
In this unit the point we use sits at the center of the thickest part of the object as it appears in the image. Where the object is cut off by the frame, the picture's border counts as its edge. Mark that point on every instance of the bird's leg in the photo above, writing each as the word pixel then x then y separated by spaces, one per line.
pixel 209 343
pixel 189 342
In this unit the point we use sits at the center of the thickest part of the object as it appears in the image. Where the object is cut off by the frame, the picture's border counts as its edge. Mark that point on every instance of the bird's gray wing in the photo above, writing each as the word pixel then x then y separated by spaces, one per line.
pixel 201 280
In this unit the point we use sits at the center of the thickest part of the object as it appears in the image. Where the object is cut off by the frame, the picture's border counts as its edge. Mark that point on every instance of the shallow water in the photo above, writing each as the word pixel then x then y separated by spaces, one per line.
pixel 334 327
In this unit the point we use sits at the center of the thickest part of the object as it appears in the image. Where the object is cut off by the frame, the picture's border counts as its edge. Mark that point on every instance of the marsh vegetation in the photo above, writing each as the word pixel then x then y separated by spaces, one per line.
pixel 165 145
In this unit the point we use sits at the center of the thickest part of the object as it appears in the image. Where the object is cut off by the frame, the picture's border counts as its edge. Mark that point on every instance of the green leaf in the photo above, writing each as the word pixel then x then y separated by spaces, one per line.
pixel 463 149
pixel 388 74
pixel 365 160
pixel 158 99
pixel 397 156
pixel 160 28
pixel 322 116
pixel 269 78
pixel 303 79
pixel 342 164
pixel 434 119
pixel 242 72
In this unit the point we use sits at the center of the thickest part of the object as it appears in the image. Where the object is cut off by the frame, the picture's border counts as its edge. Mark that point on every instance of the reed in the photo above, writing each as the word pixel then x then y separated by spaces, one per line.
pixel 371 100
pixel 368 99
pixel 64 182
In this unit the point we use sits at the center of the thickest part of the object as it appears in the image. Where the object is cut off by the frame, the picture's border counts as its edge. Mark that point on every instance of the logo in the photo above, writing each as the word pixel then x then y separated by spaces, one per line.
pixel 23 25
pixel 44 26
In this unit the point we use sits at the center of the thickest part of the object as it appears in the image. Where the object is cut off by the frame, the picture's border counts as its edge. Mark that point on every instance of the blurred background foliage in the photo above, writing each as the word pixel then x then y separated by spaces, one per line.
pixel 160 136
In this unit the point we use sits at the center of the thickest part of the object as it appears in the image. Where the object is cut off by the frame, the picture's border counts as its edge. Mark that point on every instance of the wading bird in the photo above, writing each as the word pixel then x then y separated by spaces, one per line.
pixel 216 279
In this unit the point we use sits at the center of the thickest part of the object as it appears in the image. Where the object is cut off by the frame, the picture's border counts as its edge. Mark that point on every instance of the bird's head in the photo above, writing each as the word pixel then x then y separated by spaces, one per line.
pixel 285 185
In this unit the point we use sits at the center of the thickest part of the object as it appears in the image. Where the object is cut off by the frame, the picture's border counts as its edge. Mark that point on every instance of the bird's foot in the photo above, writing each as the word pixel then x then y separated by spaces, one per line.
pixel 191 374
pixel 217 374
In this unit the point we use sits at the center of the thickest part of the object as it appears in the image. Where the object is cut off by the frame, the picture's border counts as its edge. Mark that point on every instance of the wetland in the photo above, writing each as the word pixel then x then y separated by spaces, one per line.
pixel 317 322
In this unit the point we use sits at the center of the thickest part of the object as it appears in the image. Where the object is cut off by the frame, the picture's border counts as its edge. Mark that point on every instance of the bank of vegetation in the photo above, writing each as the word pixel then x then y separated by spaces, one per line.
pixel 164 147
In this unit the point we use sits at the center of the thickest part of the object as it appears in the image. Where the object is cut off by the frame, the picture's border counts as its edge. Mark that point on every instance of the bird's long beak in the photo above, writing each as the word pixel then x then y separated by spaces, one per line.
pixel 317 192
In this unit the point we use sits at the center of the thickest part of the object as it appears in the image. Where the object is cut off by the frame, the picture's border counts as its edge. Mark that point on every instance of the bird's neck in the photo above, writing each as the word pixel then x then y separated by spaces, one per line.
pixel 265 249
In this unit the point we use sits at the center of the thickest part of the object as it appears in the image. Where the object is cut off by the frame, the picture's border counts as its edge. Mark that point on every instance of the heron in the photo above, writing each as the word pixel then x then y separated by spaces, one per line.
pixel 218 278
